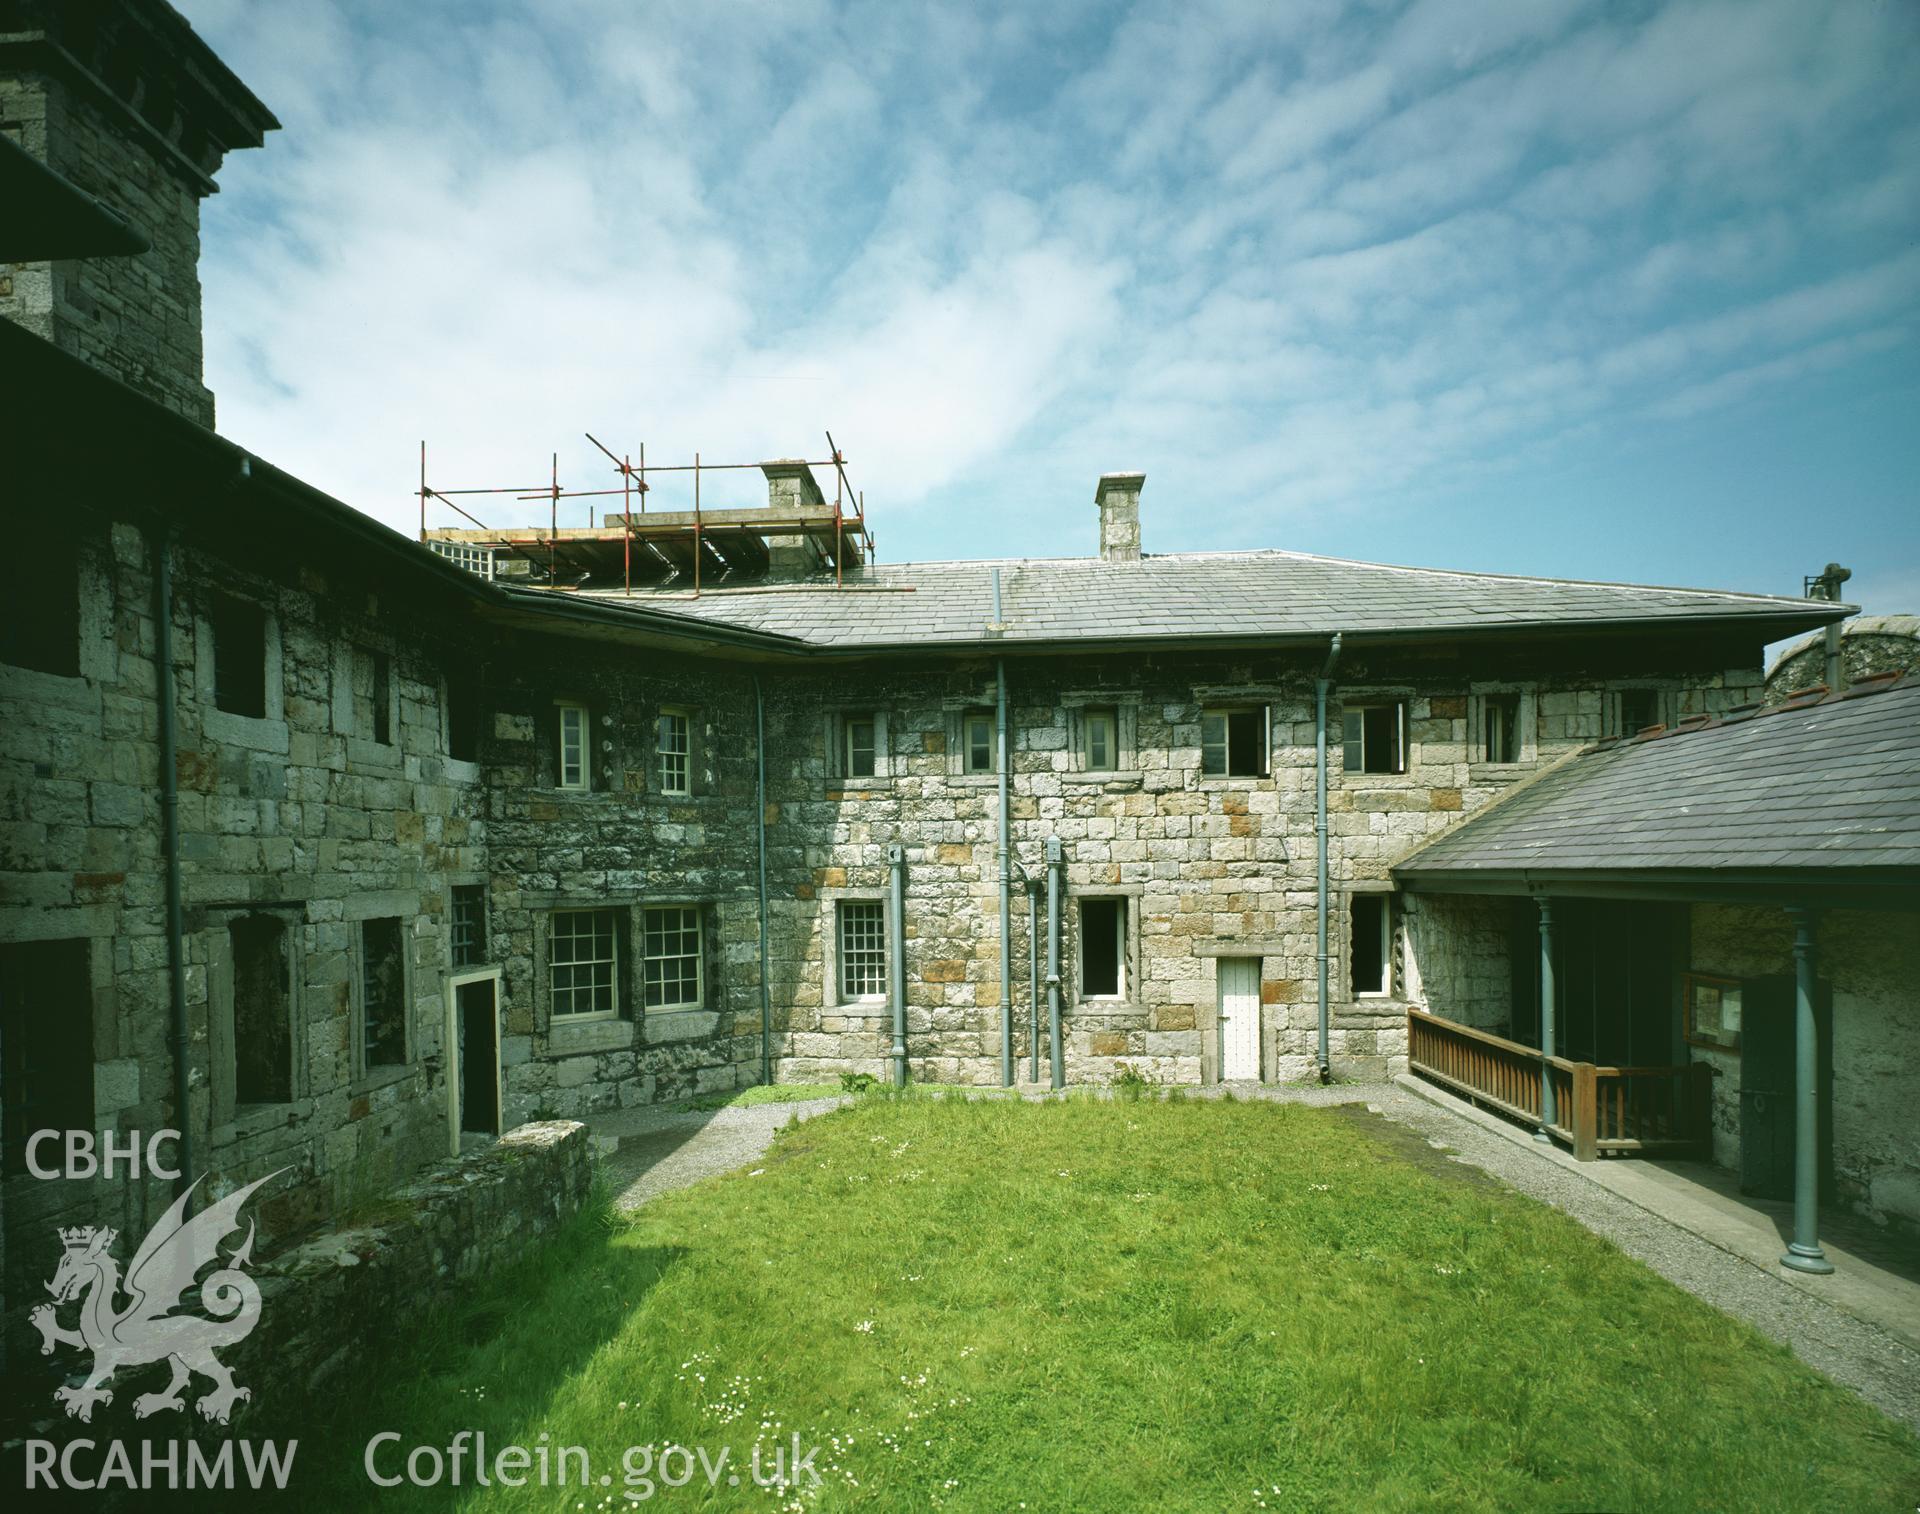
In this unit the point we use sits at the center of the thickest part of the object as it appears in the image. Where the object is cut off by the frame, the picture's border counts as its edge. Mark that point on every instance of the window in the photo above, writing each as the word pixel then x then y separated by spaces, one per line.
pixel 1100 730
pixel 576 765
pixel 373 695
pixel 41 627
pixel 1639 708
pixel 262 1010
pixel 469 924
pixel 1370 962
pixel 46 1042
pixel 239 655
pixel 1713 1011
pixel 863 949
pixel 1233 743
pixel 978 745
pixel 859 746
pixel 670 957
pixel 1103 948
pixel 1376 738
pixel 383 994
pixel 474 559
pixel 583 963
pixel 674 747
pixel 1500 714
pixel 463 720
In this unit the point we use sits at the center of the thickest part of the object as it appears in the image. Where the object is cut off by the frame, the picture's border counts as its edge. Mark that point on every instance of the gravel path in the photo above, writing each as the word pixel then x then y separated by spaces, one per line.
pixel 658 1152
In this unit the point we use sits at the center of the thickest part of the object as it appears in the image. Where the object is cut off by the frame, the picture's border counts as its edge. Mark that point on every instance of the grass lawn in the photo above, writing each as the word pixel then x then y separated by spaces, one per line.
pixel 1115 1305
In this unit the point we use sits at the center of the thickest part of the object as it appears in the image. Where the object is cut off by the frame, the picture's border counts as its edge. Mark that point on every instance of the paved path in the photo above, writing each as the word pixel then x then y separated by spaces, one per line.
pixel 659 1151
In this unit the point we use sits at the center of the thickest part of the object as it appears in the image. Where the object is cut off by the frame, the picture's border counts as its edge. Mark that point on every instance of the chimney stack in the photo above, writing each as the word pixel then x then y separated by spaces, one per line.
pixel 1118 496
pixel 791 490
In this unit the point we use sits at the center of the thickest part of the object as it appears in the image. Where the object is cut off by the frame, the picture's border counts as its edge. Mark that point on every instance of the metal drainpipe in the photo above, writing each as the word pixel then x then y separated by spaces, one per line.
pixel 1033 978
pixel 897 959
pixel 760 782
pixel 1320 690
pixel 160 547
pixel 1804 1253
pixel 1549 1033
pixel 1006 858
pixel 1058 1061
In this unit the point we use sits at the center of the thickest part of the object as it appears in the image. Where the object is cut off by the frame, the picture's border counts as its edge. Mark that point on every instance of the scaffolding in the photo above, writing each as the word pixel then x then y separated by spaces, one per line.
pixel 659 549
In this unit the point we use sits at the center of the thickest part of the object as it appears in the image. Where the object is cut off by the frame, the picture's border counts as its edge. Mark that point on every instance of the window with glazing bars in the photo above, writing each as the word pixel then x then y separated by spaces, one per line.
pixel 1234 743
pixel 674 744
pixel 1375 738
pixel 861 746
pixel 575 764
pixel 582 962
pixel 977 735
pixel 1101 727
pixel 670 965
pixel 863 949
pixel 469 924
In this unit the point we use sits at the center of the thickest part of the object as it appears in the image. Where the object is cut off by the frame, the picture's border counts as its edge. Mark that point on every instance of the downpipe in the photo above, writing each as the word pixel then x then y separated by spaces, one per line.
pixel 1033 978
pixel 1321 688
pixel 1054 866
pixel 160 548
pixel 1006 857
pixel 897 958
pixel 760 783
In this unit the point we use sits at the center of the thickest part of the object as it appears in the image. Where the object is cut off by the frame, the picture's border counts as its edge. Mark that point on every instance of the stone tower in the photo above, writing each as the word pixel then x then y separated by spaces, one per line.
pixel 115 104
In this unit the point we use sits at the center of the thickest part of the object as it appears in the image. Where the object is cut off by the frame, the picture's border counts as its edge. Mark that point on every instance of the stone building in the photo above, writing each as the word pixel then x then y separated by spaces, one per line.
pixel 331 849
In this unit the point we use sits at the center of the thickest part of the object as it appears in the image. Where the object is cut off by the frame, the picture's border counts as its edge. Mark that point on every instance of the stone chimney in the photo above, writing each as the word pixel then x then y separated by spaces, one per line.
pixel 1118 496
pixel 122 102
pixel 791 489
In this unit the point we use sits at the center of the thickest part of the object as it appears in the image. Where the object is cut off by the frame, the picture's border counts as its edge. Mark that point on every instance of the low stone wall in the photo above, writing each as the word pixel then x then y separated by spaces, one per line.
pixel 326 1300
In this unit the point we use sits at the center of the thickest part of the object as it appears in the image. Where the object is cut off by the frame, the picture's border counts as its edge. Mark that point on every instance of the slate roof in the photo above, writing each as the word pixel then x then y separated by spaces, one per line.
pixel 1829 784
pixel 1269 595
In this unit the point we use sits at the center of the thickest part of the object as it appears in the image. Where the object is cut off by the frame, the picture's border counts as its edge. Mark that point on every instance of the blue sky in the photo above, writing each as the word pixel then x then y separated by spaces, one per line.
pixel 1624 291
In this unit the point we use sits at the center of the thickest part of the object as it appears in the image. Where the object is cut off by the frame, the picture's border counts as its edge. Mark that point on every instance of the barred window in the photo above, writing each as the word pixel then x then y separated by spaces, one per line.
pixel 383 993
pixel 469 924
pixel 582 962
pixel 670 965
pixel 675 744
pixel 863 949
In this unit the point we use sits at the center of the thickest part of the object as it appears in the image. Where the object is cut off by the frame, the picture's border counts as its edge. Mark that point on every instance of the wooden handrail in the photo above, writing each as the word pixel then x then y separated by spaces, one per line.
pixel 1598 1109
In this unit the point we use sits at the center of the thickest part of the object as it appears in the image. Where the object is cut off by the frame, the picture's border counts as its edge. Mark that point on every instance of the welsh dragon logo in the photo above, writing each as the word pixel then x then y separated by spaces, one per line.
pixel 144 1329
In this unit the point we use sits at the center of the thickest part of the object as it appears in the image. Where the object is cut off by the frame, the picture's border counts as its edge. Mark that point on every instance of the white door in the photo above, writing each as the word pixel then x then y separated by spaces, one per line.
pixel 1240 1019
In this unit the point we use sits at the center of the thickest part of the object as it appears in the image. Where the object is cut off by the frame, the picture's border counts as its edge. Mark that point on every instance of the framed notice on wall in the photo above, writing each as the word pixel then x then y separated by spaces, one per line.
pixel 1713 1011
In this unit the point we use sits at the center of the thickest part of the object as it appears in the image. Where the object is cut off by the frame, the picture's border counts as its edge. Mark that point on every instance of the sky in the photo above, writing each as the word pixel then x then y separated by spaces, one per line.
pixel 1624 291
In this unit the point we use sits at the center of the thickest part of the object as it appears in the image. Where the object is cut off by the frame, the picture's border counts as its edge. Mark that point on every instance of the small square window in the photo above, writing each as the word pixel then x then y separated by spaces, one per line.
pixel 670 972
pixel 863 949
pixel 575 757
pixel 1375 738
pixel 383 993
pixel 1500 720
pixel 583 963
pixel 469 924
pixel 861 746
pixel 1639 708
pixel 1103 948
pixel 674 749
pixel 979 743
pixel 1100 730
pixel 239 630
pixel 1233 743
pixel 1370 962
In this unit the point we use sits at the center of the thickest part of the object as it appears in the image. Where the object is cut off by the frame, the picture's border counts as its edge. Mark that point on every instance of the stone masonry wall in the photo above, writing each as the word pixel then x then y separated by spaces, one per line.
pixel 1872 961
pixel 138 317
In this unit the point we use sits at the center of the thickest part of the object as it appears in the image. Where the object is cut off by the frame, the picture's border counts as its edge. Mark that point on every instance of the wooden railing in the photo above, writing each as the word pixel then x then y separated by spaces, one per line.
pixel 1597 1110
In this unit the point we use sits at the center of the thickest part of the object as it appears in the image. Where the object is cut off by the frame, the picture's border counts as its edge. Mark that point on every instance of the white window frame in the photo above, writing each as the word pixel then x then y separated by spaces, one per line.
pixel 848 767
pixel 699 999
pixel 1120 944
pixel 1358 706
pixel 476 560
pixel 1385 991
pixel 666 756
pixel 1094 717
pixel 566 711
pixel 841 955
pixel 580 1017
pixel 991 721
pixel 1224 745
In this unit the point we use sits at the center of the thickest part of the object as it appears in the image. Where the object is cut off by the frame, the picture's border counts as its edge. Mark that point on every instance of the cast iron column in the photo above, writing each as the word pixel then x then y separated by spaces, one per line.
pixel 1803 1251
pixel 1546 1022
